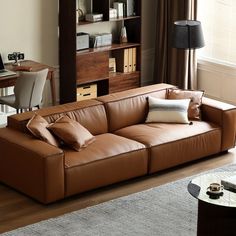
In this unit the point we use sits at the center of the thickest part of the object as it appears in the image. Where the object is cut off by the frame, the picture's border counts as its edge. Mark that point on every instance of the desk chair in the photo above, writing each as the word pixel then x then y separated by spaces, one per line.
pixel 28 91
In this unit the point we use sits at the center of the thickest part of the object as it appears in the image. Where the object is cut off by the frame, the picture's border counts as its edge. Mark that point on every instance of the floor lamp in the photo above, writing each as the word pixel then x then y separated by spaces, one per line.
pixel 187 34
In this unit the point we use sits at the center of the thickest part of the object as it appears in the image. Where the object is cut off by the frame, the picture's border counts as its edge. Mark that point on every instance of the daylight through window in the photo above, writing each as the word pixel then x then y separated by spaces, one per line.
pixel 219 28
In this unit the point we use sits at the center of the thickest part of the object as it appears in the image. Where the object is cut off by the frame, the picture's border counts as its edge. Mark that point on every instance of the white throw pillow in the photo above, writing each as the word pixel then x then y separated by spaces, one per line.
pixel 168 110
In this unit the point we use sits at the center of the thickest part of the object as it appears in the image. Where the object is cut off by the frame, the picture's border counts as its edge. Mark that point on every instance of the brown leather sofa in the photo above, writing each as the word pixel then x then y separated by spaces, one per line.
pixel 125 147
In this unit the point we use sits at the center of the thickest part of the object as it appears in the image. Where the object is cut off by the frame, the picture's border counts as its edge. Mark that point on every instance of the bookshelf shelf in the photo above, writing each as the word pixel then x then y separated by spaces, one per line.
pixel 114 46
pixel 92 65
pixel 111 19
pixel 125 18
pixel 121 74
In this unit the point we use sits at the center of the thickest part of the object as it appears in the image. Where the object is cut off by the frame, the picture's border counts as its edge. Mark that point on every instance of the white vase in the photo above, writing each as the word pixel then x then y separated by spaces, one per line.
pixel 123 35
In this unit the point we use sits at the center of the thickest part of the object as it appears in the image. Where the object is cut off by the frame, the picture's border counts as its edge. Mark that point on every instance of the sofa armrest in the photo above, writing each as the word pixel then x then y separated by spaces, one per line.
pixel 224 115
pixel 31 166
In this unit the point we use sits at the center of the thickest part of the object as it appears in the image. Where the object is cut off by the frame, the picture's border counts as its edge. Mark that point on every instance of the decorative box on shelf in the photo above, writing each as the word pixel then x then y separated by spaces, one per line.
pixel 94 17
pixel 99 40
pixel 86 92
pixel 82 41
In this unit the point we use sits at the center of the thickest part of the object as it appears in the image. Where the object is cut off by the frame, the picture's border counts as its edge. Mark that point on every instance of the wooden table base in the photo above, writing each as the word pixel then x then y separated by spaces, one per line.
pixel 214 220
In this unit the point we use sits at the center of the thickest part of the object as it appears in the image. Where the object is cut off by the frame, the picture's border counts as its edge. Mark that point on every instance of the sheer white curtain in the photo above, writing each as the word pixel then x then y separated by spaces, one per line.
pixel 218 19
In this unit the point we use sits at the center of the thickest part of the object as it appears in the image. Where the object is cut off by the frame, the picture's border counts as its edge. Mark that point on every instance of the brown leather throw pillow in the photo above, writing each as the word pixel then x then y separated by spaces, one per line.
pixel 195 103
pixel 37 125
pixel 71 133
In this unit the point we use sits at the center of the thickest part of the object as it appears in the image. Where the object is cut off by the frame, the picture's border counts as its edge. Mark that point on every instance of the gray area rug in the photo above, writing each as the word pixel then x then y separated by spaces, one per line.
pixel 162 211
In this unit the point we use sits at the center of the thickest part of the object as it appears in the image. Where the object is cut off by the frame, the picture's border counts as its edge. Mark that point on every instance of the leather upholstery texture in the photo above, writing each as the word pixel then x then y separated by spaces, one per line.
pixel 71 132
pixel 224 115
pixel 109 159
pixel 31 166
pixel 130 107
pixel 125 147
pixel 173 144
pixel 89 113
pixel 37 125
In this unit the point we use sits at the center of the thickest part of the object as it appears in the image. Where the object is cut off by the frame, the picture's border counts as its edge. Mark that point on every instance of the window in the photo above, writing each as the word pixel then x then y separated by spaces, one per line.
pixel 219 28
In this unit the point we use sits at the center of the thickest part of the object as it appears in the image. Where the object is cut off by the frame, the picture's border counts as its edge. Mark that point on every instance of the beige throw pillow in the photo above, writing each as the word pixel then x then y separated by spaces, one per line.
pixel 71 133
pixel 37 125
pixel 195 103
pixel 168 111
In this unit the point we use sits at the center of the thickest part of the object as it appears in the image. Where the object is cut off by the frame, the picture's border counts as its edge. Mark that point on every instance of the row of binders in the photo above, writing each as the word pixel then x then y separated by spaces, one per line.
pixel 126 59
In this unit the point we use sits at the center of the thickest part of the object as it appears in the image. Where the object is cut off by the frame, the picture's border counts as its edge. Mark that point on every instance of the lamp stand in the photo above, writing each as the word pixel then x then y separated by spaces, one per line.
pixel 189 55
pixel 187 34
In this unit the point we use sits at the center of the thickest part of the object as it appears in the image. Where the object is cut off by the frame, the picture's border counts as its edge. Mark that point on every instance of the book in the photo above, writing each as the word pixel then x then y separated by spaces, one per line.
pixel 112 13
pixel 122 57
pixel 134 52
pixel 130 60
pixel 128 7
pixel 119 7
pixel 112 64
pixel 126 59
pixel 125 10
pixel 229 183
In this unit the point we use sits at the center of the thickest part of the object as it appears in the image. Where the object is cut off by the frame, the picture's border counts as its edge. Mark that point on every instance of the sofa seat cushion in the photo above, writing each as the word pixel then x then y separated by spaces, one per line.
pixel 109 159
pixel 172 144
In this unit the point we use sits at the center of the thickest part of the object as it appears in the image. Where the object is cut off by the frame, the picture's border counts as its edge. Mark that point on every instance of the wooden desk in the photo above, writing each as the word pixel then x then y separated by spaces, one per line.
pixel 8 81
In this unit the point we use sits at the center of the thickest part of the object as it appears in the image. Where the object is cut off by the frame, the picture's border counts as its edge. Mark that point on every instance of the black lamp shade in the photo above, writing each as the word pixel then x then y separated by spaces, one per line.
pixel 187 34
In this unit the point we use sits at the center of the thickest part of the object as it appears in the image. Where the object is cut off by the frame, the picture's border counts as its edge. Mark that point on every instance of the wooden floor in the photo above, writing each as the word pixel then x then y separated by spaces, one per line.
pixel 17 210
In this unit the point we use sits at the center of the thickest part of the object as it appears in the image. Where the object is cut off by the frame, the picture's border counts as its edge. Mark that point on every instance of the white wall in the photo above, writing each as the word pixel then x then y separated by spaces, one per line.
pixel 30 26
pixel 218 81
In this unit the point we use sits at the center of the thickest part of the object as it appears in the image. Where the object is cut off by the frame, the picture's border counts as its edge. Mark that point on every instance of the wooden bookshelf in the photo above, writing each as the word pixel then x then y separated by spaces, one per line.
pixel 92 65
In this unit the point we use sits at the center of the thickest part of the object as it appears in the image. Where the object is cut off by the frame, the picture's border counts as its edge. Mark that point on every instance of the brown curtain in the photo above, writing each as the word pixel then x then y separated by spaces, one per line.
pixel 171 65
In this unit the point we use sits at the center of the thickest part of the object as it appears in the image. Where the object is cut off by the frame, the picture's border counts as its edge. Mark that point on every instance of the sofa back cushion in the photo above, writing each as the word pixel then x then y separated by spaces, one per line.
pixel 130 107
pixel 89 113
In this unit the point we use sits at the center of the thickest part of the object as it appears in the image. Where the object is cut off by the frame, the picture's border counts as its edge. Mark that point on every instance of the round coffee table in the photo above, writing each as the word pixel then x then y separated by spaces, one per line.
pixel 215 216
